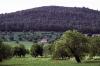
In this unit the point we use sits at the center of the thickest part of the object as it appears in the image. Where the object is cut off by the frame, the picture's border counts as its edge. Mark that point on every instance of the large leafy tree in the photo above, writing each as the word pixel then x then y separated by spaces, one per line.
pixel 74 43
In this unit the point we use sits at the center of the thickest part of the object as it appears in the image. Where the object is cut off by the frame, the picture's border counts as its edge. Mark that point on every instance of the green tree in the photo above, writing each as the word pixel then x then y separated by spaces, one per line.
pixel 5 51
pixel 94 46
pixel 36 50
pixel 20 50
pixel 74 43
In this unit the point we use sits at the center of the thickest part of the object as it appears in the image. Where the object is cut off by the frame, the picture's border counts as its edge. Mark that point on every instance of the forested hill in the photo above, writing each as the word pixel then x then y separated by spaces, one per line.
pixel 52 18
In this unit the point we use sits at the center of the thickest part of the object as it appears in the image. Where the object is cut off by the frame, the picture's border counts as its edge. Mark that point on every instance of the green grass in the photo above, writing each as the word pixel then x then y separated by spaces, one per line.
pixel 30 61
pixel 26 43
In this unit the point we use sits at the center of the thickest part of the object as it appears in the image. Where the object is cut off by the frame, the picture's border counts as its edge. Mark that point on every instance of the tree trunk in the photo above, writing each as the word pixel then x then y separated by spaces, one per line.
pixel 77 58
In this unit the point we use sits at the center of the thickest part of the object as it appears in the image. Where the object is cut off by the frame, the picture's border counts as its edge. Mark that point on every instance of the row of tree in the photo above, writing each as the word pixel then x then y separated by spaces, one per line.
pixel 29 36
pixel 70 44
pixel 19 50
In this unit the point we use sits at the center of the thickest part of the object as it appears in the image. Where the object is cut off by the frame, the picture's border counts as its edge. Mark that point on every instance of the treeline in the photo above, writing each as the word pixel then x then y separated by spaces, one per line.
pixel 52 18
pixel 72 44
pixel 29 36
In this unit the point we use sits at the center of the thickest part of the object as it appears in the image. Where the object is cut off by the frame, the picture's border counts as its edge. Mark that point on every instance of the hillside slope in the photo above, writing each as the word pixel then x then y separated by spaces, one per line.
pixel 52 18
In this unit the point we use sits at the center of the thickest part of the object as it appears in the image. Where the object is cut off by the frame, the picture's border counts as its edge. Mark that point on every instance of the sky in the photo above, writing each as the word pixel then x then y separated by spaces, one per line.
pixel 7 6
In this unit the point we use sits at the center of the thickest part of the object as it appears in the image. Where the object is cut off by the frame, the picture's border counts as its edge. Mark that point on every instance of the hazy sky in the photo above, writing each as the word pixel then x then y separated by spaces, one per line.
pixel 7 6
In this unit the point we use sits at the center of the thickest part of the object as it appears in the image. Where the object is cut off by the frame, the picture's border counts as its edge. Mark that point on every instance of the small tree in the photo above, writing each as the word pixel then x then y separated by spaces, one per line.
pixel 5 51
pixel 36 50
pixel 20 50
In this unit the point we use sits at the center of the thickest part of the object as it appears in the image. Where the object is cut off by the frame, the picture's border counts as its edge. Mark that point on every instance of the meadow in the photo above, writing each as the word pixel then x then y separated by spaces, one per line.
pixel 27 44
pixel 30 61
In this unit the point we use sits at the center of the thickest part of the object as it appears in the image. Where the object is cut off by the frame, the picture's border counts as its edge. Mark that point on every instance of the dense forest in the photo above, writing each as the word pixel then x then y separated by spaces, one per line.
pixel 52 18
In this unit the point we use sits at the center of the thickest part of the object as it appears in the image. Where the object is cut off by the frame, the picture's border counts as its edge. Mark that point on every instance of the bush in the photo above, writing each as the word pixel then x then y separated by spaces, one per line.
pixel 36 50
pixel 47 50
pixel 60 51
pixel 5 51
pixel 20 51
pixel 94 46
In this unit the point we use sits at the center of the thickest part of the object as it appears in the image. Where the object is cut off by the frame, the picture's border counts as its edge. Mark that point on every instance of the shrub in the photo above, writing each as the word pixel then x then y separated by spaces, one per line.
pixel 36 50
pixel 47 50
pixel 20 50
pixel 5 51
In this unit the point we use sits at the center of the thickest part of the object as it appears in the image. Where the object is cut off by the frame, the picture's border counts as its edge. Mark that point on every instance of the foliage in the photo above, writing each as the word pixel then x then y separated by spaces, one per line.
pixel 60 51
pixel 20 50
pixel 95 46
pixel 74 43
pixel 5 51
pixel 29 36
pixel 36 50
pixel 47 50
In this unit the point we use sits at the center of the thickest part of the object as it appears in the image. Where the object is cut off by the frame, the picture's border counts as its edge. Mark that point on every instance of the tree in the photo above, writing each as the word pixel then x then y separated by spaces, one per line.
pixel 20 50
pixel 5 51
pixel 74 42
pixel 36 50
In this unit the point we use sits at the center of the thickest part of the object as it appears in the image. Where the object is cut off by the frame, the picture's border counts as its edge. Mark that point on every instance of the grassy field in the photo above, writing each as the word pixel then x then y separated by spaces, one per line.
pixel 25 43
pixel 30 61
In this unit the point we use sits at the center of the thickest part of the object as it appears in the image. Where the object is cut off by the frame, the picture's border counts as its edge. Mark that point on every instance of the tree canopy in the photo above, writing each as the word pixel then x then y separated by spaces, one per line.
pixel 74 43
